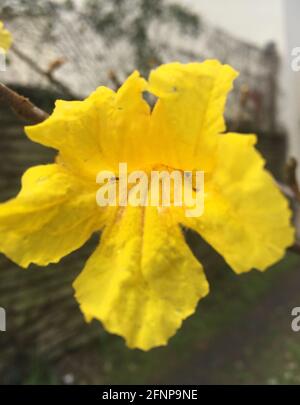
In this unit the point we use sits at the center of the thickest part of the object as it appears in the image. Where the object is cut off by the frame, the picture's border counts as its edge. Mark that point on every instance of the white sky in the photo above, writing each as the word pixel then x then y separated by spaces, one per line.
pixel 257 21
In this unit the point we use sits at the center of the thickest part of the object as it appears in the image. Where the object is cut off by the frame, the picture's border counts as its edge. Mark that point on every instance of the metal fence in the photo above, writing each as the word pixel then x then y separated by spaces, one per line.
pixel 65 47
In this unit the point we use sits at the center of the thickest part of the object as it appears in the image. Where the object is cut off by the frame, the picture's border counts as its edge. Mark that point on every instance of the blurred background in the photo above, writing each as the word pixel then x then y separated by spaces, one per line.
pixel 241 332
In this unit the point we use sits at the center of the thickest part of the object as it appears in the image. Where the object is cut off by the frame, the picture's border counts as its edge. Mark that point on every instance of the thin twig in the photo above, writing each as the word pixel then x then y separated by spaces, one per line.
pixel 290 194
pixel 291 177
pixel 46 73
pixel 114 78
pixel 22 106
pixel 292 191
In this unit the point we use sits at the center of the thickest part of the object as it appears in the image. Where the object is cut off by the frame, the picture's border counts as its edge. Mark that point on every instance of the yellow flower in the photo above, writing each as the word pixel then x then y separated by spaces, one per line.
pixel 142 281
pixel 5 38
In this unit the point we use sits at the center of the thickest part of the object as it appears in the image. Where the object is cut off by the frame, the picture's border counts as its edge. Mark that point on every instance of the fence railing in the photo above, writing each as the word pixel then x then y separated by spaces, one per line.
pixel 70 51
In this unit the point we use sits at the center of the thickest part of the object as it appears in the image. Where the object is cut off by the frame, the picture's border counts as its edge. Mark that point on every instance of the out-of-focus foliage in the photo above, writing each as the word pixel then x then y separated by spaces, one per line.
pixel 33 7
pixel 132 19
pixel 117 19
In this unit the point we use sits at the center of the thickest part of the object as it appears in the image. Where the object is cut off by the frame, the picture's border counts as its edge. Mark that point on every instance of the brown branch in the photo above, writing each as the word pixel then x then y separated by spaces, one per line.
pixel 22 106
pixel 55 64
pixel 292 191
pixel 46 73
pixel 291 177
pixel 114 78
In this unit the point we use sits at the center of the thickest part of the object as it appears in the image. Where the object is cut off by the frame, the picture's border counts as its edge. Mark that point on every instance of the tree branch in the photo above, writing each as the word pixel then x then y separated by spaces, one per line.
pixel 21 106
pixel 292 191
pixel 46 73
pixel 291 177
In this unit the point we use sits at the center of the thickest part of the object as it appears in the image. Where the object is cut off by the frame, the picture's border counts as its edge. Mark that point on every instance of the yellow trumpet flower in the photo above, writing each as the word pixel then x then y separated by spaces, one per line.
pixel 142 280
pixel 5 38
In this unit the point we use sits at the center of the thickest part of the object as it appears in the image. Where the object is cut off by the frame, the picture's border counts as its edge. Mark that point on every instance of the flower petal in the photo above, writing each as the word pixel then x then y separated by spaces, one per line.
pixel 189 112
pixel 142 280
pixel 52 216
pixel 5 38
pixel 99 132
pixel 246 218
